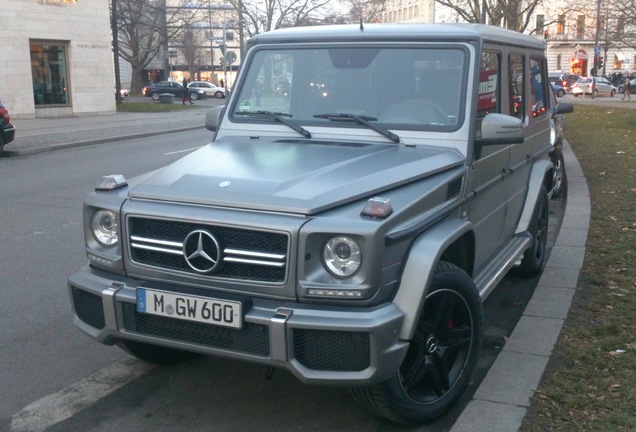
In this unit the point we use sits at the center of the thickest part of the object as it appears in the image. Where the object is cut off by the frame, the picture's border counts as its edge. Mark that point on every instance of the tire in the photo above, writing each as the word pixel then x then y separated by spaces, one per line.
pixel 155 96
pixel 441 357
pixel 612 93
pixel 155 354
pixel 560 93
pixel 559 180
pixel 194 96
pixel 219 95
pixel 576 94
pixel 534 257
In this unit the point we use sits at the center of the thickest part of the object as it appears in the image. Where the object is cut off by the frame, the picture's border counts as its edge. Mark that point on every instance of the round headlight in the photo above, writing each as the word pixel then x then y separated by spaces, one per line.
pixel 342 256
pixel 105 228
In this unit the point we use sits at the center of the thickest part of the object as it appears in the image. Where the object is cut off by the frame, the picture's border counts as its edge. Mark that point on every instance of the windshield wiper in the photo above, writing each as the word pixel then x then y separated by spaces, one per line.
pixel 279 117
pixel 361 120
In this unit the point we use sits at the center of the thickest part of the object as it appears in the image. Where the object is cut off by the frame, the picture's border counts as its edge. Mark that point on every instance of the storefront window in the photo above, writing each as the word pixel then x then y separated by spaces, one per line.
pixel 49 73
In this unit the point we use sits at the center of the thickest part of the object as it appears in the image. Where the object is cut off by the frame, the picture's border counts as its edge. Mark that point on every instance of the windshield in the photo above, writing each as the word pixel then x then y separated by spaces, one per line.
pixel 396 87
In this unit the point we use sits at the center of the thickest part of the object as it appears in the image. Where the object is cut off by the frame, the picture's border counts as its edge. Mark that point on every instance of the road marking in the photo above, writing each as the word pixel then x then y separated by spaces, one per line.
pixel 57 407
pixel 183 151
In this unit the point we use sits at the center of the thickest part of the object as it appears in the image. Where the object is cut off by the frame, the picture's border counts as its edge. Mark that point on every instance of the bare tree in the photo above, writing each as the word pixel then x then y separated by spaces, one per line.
pixel 511 14
pixel 144 27
pixel 259 16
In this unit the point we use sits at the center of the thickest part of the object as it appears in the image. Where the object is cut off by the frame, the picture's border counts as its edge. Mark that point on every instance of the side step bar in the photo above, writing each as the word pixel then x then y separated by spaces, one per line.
pixel 494 272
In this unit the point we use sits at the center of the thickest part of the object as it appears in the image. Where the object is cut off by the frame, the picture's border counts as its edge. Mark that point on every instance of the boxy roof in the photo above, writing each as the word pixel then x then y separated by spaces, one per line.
pixel 399 32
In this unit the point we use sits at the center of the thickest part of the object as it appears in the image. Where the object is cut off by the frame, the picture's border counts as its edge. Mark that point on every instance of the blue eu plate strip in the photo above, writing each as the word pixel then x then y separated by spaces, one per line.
pixel 141 300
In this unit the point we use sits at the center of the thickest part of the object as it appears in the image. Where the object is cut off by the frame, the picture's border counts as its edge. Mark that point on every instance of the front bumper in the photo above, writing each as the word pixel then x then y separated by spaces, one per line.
pixel 323 345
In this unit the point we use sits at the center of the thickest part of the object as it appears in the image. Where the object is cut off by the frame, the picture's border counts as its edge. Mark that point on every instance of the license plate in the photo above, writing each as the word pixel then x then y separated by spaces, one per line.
pixel 192 308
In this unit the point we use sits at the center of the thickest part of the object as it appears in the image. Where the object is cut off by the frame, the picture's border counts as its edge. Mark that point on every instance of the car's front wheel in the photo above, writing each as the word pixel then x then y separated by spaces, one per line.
pixel 612 93
pixel 155 354
pixel 219 94
pixel 441 356
pixel 194 95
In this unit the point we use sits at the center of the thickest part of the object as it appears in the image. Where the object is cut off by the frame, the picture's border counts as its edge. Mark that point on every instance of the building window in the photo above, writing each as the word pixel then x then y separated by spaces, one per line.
pixel 49 73
pixel 580 27
pixel 558 63
pixel 540 23
pixel 561 24
pixel 620 26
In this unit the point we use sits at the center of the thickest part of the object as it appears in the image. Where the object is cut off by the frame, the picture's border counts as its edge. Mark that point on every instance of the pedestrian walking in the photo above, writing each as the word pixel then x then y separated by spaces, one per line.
pixel 628 90
pixel 186 93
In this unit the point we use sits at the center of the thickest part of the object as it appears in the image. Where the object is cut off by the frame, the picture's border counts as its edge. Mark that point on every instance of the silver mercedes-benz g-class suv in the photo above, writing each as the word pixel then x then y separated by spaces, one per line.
pixel 366 188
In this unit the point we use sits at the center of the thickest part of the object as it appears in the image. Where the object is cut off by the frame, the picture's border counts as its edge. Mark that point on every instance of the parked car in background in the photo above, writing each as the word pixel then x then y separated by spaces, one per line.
pixel 621 86
pixel 558 90
pixel 568 79
pixel 602 87
pixel 555 77
pixel 174 88
pixel 7 130
pixel 209 88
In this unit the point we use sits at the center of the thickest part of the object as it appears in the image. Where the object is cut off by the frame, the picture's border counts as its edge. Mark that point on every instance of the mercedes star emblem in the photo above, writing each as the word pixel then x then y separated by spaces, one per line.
pixel 201 251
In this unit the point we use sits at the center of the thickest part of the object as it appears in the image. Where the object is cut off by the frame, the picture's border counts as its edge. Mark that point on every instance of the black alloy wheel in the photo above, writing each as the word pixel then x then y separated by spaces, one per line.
pixel 441 357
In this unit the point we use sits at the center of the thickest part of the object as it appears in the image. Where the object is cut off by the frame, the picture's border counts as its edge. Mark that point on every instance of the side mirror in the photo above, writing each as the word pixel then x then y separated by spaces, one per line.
pixel 497 129
pixel 213 118
pixel 564 108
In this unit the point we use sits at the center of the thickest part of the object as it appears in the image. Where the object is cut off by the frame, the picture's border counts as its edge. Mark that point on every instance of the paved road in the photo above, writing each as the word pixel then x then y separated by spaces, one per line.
pixel 495 398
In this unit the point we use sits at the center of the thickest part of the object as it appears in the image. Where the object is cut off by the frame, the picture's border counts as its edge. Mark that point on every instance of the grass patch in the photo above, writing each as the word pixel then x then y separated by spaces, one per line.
pixel 590 382
pixel 153 106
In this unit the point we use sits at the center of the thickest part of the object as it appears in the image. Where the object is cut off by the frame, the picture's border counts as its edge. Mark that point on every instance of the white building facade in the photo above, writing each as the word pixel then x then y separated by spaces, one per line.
pixel 569 32
pixel 56 58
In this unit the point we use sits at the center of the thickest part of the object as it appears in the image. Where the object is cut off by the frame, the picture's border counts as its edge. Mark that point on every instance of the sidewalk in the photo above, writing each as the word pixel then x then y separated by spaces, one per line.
pixel 49 134
pixel 503 397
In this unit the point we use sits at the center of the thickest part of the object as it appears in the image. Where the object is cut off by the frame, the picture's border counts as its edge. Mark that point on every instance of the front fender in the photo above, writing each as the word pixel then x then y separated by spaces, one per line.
pixel 420 265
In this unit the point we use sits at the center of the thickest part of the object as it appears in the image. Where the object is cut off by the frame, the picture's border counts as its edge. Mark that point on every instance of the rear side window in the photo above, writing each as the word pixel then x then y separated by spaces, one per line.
pixel 516 79
pixel 488 100
pixel 538 89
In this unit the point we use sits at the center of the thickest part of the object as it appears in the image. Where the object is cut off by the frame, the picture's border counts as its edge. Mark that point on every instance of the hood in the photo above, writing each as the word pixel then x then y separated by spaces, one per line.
pixel 293 176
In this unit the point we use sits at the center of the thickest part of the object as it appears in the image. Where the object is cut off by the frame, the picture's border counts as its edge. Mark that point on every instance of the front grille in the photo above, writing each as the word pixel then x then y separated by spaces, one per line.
pixel 252 255
pixel 327 350
pixel 251 339
pixel 88 308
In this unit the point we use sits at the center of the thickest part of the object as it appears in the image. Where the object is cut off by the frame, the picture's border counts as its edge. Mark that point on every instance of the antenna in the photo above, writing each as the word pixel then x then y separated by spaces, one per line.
pixel 361 26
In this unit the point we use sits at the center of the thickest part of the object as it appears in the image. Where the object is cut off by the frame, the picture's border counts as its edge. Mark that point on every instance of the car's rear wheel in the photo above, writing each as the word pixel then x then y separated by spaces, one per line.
pixel 441 356
pixel 560 93
pixel 219 95
pixel 155 96
pixel 155 354
pixel 534 257
pixel 612 93
pixel 194 95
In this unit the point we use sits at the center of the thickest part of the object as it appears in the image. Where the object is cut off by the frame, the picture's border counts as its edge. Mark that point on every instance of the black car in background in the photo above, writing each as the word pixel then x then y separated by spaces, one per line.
pixel 7 130
pixel 174 88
